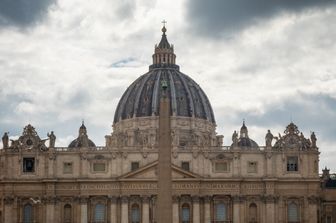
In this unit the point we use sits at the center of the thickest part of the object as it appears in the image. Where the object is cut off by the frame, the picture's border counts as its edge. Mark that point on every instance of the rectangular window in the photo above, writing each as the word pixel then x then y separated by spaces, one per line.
pixel 185 166
pixel 292 163
pixel 29 165
pixel 221 167
pixel 252 167
pixel 67 167
pixel 99 167
pixel 134 166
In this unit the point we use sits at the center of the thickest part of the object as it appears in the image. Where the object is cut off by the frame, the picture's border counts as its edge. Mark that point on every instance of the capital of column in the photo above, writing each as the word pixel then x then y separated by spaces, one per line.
pixel 145 198
pixel 113 199
pixel 176 198
pixel 237 199
pixel 195 199
pixel 83 199
pixel 313 199
pixel 270 198
pixel 8 200
pixel 50 200
pixel 207 199
pixel 124 199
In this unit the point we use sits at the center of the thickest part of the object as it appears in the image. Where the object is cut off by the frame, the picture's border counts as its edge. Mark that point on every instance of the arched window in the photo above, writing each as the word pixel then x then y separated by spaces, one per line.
pixel 253 213
pixel 221 214
pixel 293 213
pixel 185 213
pixel 99 215
pixel 27 213
pixel 67 213
pixel 135 213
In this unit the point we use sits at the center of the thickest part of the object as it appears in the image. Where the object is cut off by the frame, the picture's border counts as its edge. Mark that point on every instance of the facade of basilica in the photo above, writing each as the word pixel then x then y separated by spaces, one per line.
pixel 211 183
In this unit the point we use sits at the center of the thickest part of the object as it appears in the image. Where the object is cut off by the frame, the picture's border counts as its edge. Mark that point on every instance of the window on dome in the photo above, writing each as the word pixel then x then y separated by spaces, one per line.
pixel 292 163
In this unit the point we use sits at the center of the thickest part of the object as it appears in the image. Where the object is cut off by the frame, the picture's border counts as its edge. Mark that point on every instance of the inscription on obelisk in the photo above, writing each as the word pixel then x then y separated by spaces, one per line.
pixel 164 202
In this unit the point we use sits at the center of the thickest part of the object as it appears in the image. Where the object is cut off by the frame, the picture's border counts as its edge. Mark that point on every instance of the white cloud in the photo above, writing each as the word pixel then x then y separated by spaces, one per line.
pixel 78 62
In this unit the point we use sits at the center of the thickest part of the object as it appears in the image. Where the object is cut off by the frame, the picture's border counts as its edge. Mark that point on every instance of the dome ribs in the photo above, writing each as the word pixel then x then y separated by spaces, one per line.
pixel 172 94
pixel 182 97
pixel 155 99
pixel 140 90
pixel 141 99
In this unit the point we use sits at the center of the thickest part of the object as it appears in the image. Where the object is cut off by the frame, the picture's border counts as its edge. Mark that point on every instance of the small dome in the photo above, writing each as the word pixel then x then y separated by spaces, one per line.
pixel 82 139
pixel 244 141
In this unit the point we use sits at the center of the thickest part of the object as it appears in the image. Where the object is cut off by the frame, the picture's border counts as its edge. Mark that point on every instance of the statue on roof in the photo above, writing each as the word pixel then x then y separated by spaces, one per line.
pixel 313 139
pixel 52 139
pixel 235 138
pixel 268 138
pixel 5 140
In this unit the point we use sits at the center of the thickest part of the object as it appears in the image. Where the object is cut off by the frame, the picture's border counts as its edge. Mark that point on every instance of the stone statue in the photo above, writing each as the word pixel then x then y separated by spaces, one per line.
pixel 15 144
pixel 269 138
pixel 313 139
pixel 174 138
pixel 5 140
pixel 52 139
pixel 235 138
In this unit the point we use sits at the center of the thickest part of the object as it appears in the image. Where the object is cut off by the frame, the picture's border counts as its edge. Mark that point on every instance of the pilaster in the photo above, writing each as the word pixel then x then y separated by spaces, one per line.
pixel 196 209
pixel 145 209
pixel 124 209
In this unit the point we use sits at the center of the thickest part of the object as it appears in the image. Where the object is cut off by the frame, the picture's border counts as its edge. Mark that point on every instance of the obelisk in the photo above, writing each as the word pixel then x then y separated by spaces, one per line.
pixel 164 202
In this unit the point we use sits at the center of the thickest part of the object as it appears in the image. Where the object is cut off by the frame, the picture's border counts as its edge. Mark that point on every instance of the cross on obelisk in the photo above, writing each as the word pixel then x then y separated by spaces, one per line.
pixel 164 22
pixel 164 202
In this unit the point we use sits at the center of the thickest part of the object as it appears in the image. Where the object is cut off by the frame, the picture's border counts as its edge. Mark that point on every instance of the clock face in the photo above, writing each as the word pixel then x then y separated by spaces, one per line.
pixel 29 142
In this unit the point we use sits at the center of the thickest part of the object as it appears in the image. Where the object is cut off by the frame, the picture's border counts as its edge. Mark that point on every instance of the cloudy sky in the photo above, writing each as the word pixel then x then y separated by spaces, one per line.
pixel 265 61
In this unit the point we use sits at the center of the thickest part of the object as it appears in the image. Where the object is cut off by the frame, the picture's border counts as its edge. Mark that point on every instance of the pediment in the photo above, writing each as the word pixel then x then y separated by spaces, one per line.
pixel 149 171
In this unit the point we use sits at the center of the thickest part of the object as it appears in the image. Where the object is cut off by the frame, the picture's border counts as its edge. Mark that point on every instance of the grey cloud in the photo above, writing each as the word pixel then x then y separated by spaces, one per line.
pixel 311 112
pixel 214 17
pixel 23 13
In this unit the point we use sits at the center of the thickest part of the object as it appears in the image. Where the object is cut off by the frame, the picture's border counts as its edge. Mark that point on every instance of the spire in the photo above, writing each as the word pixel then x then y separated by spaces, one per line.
pixel 164 52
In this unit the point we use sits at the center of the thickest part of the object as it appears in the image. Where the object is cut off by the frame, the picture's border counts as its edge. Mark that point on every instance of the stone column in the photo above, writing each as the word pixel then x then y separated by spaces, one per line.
pixel 236 209
pixel 196 209
pixel 84 209
pixel 50 212
pixel 113 217
pixel 270 209
pixel 124 209
pixel 9 215
pixel 207 216
pixel 312 207
pixel 145 209
pixel 176 217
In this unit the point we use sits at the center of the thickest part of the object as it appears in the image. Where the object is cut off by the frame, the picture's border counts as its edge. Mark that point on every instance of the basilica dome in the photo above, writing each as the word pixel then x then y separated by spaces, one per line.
pixel 141 99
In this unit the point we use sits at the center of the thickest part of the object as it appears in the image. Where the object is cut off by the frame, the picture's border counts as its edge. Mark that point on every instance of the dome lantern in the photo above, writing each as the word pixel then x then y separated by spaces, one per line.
pixel 164 52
